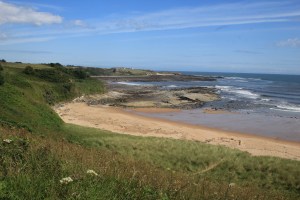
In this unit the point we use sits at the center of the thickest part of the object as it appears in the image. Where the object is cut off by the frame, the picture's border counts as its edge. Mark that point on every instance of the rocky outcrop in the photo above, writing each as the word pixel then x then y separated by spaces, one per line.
pixel 145 96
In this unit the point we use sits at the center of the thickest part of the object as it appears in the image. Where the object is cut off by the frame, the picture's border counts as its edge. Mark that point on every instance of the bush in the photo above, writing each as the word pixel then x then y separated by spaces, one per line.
pixel 49 96
pixel 52 75
pixel 68 87
pixel 1 79
pixel 56 65
pixel 80 73
pixel 1 68
pixel 29 70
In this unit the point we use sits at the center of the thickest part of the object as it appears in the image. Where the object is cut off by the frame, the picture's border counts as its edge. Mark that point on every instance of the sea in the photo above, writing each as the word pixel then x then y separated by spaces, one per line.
pixel 260 104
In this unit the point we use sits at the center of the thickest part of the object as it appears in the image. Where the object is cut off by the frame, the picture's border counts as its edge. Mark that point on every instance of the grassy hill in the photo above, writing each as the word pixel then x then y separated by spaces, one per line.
pixel 120 71
pixel 37 150
pixel 26 97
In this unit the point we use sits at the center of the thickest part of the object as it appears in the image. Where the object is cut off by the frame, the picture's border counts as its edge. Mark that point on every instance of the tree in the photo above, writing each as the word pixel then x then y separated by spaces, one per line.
pixel 2 60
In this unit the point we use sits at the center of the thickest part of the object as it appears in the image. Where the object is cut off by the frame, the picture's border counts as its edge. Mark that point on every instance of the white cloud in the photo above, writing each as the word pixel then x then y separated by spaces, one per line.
pixel 79 23
pixel 25 40
pixel 228 14
pixel 3 36
pixel 204 16
pixel 291 42
pixel 15 14
pixel 36 5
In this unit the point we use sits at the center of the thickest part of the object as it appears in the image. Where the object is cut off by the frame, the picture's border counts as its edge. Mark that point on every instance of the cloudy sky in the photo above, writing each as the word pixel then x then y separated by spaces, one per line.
pixel 185 35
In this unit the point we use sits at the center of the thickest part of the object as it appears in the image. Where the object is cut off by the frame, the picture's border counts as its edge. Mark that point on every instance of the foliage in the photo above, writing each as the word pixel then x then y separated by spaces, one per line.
pixel 55 65
pixel 117 71
pixel 80 73
pixel 1 79
pixel 25 99
pixel 28 70
pixel 216 162
pixel 34 168
pixel 52 75
pixel 1 76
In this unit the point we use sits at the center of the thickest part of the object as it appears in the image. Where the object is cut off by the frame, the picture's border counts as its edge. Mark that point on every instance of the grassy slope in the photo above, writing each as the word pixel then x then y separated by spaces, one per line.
pixel 23 98
pixel 129 166
pixel 215 162
pixel 118 72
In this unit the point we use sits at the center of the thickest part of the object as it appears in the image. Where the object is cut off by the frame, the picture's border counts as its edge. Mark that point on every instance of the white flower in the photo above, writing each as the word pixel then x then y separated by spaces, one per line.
pixel 231 184
pixel 66 180
pixel 91 172
pixel 7 141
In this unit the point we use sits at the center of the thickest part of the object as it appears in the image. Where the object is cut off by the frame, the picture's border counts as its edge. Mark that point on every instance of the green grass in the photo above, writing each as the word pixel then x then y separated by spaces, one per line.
pixel 44 150
pixel 25 99
pixel 118 72
pixel 215 162
pixel 32 167
pixel 23 65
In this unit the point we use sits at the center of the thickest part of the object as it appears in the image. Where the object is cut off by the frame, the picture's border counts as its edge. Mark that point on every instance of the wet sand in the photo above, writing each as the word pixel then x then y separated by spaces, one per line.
pixel 155 110
pixel 261 124
pixel 126 122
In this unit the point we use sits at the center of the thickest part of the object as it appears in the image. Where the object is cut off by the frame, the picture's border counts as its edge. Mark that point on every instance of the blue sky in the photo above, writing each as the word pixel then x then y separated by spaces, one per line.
pixel 186 35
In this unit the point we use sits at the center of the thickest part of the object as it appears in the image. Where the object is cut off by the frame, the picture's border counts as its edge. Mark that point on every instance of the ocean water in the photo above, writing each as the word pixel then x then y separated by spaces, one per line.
pixel 266 104
pixel 258 92
pixel 247 92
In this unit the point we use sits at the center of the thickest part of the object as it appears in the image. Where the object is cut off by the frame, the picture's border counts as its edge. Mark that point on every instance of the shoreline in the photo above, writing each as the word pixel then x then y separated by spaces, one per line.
pixel 137 111
pixel 122 121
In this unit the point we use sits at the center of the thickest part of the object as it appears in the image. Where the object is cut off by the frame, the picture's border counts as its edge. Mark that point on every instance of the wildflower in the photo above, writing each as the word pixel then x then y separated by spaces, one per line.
pixel 91 172
pixel 7 141
pixel 66 180
pixel 231 185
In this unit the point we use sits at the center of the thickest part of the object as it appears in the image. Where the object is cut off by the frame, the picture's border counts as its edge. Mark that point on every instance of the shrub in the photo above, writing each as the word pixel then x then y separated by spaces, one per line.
pixel 1 68
pixel 49 96
pixel 68 87
pixel 29 70
pixel 80 73
pixel 56 65
pixel 1 79
pixel 52 75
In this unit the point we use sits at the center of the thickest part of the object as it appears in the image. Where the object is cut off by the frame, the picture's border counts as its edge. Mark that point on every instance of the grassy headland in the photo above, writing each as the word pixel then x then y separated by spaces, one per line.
pixel 26 95
pixel 40 150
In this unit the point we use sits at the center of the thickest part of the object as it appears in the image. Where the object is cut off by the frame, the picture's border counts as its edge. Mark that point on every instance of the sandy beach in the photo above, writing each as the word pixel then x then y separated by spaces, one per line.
pixel 125 122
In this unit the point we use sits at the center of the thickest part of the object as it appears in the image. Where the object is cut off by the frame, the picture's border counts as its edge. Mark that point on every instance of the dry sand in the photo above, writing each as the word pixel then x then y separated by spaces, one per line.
pixel 121 121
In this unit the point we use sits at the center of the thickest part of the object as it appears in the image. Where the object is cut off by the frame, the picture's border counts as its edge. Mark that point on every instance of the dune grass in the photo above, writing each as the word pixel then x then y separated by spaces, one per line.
pixel 217 163
pixel 32 167
pixel 41 150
